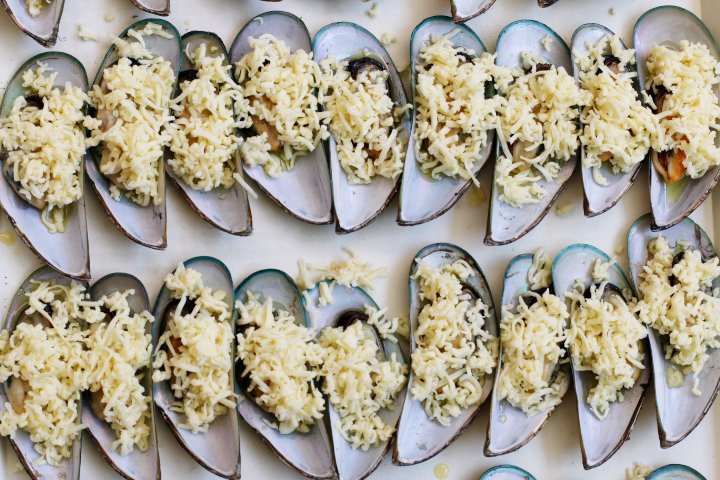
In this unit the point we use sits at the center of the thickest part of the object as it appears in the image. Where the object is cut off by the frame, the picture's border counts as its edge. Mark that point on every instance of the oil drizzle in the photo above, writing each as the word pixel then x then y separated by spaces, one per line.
pixel 441 470
pixel 7 238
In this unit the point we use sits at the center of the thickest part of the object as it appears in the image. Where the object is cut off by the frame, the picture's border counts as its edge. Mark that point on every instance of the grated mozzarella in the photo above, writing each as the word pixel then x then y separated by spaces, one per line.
pixel 453 354
pixel 36 7
pixel 195 351
pixel 639 472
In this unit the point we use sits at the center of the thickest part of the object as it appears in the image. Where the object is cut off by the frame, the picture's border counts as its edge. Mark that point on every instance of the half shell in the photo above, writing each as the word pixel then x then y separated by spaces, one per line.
pixel 510 428
pixel 69 468
pixel 144 225
pixel 308 453
pixel 156 7
pixel 669 25
pixel 419 438
pixel 354 464
pixel 506 472
pixel 306 191
pixel 356 206
pixel 423 198
pixel 598 198
pixel 464 10
pixel 599 439
pixel 43 28
pixel 678 410
pixel 218 449
pixel 231 213
pixel 506 223
pixel 136 465
pixel 66 252
pixel 675 472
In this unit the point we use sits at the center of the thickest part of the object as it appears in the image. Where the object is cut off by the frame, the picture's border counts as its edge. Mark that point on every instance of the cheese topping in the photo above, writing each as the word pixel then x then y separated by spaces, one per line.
pixel 281 105
pixel 132 102
pixel 537 116
pixel 203 132
pixel 118 351
pixel 45 145
pixel 675 301
pixel 195 351
pixel 36 7
pixel 364 121
pixel 277 355
pixel 639 472
pixel 617 128
pixel 453 114
pixel 604 337
pixel 453 353
pixel 47 365
pixel 532 336
pixel 359 384
pixel 686 82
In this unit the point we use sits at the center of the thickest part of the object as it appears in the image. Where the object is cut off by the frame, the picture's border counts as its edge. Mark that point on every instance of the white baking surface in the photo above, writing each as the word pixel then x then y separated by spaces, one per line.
pixel 279 240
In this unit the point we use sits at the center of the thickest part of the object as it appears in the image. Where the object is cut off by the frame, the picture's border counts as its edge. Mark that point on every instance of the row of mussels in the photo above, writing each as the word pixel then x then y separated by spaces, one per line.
pixel 323 452
pixel 317 191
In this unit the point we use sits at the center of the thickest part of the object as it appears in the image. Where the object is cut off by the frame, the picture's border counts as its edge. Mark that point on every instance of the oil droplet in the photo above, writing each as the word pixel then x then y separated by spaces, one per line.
pixel 7 238
pixel 502 418
pixel 441 470
pixel 422 447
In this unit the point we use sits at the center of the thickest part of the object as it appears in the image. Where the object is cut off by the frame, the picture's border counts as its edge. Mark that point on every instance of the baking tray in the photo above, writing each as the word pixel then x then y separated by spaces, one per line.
pixel 279 240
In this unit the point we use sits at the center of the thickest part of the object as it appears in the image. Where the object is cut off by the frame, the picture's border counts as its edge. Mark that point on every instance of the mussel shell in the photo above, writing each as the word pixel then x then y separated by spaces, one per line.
pixel 66 252
pixel 510 428
pixel 675 472
pixel 156 7
pixel 308 453
pixel 306 191
pixel 506 472
pixel 419 438
pixel 356 206
pixel 423 198
pixel 43 28
pixel 218 449
pixel 69 468
pixel 597 198
pixel 506 223
pixel 679 411
pixel 464 10
pixel 599 439
pixel 137 465
pixel 144 225
pixel 355 464
pixel 230 214
pixel 669 25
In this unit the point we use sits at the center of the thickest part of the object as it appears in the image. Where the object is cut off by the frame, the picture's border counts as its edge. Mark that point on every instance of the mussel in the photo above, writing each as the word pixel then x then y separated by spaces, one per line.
pixel 418 437
pixel 305 192
pixel 464 10
pixel 348 307
pixel 679 411
pixel 144 225
pixel 218 449
pixel 356 206
pixel 669 25
pixel 506 223
pixel 43 27
pixel 507 472
pixel 137 465
pixel 599 439
pixel 510 428
pixel 69 468
pixel 309 453
pixel 600 198
pixel 66 252
pixel 226 209
pixel 423 198
pixel 156 7
pixel 673 472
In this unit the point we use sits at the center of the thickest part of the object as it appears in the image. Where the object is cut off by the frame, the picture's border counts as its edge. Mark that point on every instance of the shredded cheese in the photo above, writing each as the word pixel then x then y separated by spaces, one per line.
pixel 676 302
pixel 280 104
pixel 46 145
pixel 277 355
pixel 132 101
pixel 195 351
pixel 36 7
pixel 453 354
pixel 86 35
pixel 640 471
